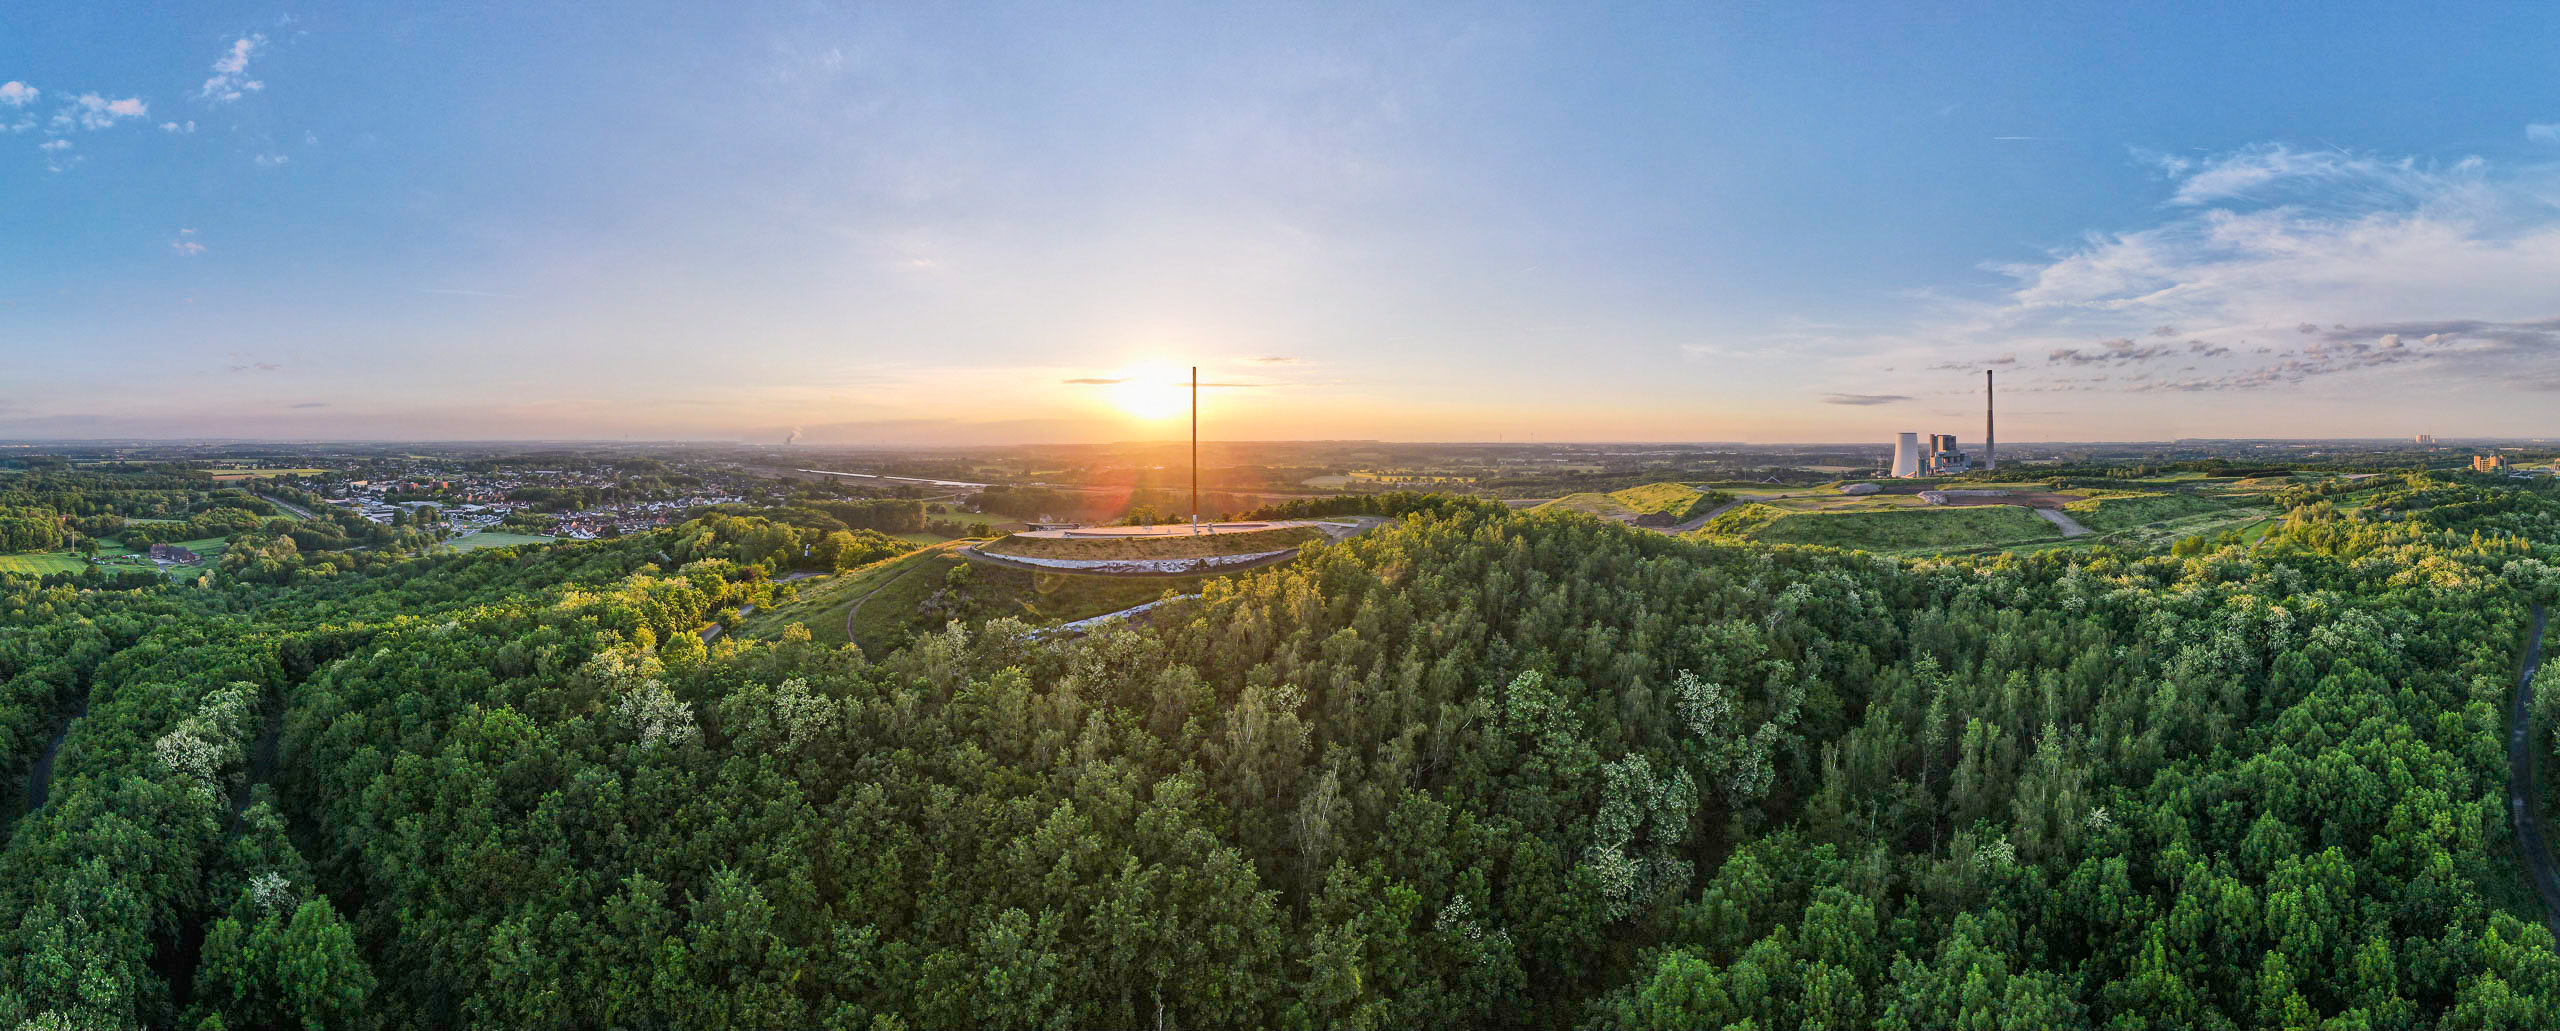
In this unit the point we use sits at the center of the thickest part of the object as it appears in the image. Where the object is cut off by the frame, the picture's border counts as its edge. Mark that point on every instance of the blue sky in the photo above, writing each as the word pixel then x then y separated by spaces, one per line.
pixel 911 223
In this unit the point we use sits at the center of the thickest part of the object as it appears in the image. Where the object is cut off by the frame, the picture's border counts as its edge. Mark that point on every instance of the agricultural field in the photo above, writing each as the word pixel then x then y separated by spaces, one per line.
pixel 1886 529
pixel 494 539
pixel 261 474
pixel 42 563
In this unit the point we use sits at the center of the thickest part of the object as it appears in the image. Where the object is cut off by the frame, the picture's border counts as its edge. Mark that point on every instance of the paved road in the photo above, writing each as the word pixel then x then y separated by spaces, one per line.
pixel 2523 795
pixel 287 506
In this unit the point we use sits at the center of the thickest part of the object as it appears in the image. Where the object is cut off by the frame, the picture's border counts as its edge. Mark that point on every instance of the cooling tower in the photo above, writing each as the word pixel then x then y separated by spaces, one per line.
pixel 1906 455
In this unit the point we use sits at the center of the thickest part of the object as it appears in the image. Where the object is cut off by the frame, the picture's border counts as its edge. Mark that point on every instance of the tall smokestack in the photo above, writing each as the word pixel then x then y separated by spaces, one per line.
pixel 1990 445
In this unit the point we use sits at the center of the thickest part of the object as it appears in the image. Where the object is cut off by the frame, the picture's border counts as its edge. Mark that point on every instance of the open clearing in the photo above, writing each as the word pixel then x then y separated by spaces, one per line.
pixel 1240 542
pixel 1677 500
pixel 1894 528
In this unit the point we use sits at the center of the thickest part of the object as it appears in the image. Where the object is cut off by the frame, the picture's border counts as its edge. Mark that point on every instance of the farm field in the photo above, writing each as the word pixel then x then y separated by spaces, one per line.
pixel 41 563
pixel 261 474
pixel 494 539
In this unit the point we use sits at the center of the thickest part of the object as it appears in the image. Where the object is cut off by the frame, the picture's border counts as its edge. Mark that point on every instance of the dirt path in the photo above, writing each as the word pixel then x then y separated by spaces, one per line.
pixel 2070 527
pixel 2524 796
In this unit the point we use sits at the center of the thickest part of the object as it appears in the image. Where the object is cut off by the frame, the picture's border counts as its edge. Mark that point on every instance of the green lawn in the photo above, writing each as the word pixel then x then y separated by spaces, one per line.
pixel 494 539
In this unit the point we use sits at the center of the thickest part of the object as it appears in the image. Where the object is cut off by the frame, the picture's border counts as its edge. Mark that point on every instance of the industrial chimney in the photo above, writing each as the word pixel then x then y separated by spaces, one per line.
pixel 1990 459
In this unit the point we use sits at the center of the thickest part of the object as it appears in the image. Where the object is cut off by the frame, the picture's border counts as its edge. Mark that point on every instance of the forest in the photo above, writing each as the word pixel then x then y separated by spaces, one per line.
pixel 1475 768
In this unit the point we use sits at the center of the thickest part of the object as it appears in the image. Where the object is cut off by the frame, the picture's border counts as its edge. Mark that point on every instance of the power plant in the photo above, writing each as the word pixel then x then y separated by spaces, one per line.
pixel 1942 457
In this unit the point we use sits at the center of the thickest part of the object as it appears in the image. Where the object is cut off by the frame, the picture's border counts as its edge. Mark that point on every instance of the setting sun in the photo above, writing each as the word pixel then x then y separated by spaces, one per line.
pixel 1152 394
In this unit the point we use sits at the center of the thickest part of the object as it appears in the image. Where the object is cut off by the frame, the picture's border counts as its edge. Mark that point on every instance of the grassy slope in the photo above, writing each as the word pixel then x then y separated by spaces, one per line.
pixel 1594 503
pixel 1681 501
pixel 898 588
pixel 1155 547
pixel 1886 530
pixel 823 601
pixel 2108 514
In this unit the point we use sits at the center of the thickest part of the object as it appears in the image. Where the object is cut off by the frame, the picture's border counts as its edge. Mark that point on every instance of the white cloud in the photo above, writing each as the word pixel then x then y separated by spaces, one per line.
pixel 54 145
pixel 2543 132
pixel 16 94
pixel 230 72
pixel 185 243
pixel 182 128
pixel 2273 266
pixel 272 160
pixel 91 111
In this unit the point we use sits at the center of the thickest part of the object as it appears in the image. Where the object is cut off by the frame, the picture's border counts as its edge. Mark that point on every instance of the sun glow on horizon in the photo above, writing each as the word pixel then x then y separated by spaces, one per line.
pixel 1152 394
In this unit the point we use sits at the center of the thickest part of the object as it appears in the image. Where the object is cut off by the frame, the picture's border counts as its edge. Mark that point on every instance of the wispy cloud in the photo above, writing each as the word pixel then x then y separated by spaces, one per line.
pixel 186 244
pixel 1274 359
pixel 1093 381
pixel 231 79
pixel 54 145
pixel 308 404
pixel 181 128
pixel 16 94
pixel 91 111
pixel 272 160
pixel 252 366
pixel 2543 132
pixel 1864 399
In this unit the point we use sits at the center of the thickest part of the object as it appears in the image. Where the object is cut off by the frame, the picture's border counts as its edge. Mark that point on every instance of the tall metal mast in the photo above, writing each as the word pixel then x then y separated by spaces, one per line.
pixel 1195 449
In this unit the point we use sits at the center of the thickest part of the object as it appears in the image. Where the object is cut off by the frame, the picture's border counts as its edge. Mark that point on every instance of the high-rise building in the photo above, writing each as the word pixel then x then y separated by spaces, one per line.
pixel 2423 439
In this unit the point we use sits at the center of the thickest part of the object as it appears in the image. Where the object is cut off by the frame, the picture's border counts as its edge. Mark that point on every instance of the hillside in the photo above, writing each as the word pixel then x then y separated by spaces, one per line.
pixel 1893 529
pixel 1679 501
pixel 1471 769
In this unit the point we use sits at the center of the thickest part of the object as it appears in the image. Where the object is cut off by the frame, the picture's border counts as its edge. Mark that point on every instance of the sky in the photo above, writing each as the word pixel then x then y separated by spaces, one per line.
pixel 917 223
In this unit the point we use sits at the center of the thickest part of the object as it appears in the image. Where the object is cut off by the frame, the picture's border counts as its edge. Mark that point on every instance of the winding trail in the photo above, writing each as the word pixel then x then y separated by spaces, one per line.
pixel 2070 527
pixel 2524 796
